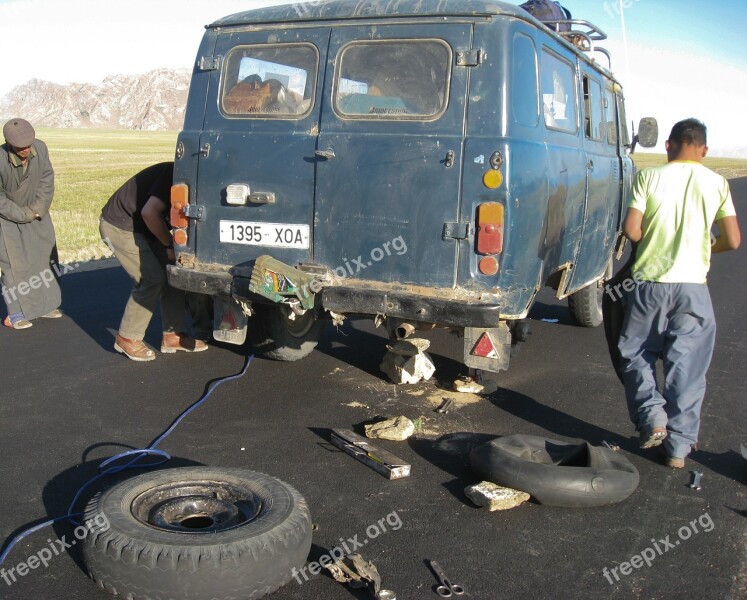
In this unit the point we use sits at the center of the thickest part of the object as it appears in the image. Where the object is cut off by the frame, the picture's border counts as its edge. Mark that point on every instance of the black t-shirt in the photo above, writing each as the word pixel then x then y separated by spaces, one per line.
pixel 124 207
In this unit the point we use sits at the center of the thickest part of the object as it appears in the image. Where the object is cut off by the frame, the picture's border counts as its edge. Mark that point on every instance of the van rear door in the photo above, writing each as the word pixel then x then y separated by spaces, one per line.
pixel 256 163
pixel 389 161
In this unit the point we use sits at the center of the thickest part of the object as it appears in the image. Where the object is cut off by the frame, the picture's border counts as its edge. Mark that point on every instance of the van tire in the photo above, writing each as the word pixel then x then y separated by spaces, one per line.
pixel 277 337
pixel 149 552
pixel 586 305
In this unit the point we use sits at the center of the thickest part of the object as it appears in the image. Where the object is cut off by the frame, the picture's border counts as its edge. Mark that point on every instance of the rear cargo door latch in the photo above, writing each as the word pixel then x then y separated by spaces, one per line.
pixel 469 58
pixel 209 63
pixel 456 231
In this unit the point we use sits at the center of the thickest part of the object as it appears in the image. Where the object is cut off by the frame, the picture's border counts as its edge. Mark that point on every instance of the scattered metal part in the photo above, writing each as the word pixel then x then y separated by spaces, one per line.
pixel 445 589
pixel 613 447
pixel 695 483
pixel 383 462
pixel 445 406
pixel 386 595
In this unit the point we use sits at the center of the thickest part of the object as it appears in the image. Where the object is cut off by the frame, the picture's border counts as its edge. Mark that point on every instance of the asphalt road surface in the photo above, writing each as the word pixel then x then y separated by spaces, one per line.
pixel 69 401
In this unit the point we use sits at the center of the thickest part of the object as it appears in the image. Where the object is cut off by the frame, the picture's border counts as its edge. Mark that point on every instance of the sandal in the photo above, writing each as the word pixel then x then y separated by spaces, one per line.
pixel 652 437
pixel 19 324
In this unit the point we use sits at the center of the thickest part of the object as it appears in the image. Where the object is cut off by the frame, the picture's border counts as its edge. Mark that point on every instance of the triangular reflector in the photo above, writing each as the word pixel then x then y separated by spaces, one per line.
pixel 484 347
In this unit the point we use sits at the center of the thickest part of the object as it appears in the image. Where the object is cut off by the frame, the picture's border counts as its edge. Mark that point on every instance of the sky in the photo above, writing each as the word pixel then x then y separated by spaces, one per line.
pixel 683 58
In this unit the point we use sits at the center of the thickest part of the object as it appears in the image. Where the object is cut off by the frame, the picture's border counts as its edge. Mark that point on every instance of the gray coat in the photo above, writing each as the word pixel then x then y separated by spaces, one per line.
pixel 27 246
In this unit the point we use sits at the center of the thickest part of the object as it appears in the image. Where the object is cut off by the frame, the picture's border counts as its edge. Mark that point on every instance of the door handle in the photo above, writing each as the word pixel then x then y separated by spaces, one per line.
pixel 327 154
pixel 590 165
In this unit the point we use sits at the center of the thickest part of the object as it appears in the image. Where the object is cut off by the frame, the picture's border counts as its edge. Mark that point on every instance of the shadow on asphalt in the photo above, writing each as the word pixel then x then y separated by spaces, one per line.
pixel 59 492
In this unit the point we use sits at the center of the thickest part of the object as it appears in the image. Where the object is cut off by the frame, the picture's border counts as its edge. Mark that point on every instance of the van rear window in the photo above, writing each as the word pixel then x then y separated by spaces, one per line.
pixel 394 80
pixel 270 81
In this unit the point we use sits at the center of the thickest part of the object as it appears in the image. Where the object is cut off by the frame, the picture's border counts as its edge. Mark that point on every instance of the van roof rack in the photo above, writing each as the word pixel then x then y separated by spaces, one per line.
pixel 582 34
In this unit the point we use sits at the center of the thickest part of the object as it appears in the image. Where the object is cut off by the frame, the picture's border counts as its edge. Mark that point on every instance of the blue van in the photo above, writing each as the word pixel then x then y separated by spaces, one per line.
pixel 421 162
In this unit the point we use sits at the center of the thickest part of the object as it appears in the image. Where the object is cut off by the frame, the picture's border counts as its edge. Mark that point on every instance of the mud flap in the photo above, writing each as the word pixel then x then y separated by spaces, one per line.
pixel 229 321
pixel 487 349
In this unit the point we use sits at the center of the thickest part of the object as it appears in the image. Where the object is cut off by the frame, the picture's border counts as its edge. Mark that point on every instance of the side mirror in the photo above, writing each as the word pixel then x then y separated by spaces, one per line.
pixel 648 133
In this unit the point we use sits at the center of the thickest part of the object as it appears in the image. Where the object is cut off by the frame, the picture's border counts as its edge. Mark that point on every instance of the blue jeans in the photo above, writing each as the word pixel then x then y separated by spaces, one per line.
pixel 673 321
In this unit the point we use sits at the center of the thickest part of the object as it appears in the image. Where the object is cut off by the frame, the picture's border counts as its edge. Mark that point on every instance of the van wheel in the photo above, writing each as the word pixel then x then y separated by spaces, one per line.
pixel 276 336
pixel 196 533
pixel 586 304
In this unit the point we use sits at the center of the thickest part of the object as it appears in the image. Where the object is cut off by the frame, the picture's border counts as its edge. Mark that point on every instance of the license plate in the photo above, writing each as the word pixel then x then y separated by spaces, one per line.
pixel 275 235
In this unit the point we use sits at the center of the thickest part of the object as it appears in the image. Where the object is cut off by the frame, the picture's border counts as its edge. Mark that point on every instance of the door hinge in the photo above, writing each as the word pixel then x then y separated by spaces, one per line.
pixel 469 58
pixel 456 231
pixel 194 211
pixel 209 63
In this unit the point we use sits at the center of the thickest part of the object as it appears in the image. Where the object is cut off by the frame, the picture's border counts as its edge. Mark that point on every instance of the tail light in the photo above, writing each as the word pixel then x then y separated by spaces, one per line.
pixel 489 236
pixel 489 233
pixel 179 200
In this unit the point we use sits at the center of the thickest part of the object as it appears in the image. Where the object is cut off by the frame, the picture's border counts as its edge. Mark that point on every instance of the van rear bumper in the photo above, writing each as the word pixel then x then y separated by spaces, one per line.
pixel 452 313
pixel 350 300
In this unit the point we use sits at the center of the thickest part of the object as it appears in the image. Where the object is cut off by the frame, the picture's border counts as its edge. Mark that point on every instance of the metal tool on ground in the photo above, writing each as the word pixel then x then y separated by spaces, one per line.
pixel 695 483
pixel 445 589
pixel 445 406
pixel 380 460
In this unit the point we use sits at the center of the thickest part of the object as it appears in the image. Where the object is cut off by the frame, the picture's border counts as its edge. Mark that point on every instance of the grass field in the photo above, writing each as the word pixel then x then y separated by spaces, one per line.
pixel 90 164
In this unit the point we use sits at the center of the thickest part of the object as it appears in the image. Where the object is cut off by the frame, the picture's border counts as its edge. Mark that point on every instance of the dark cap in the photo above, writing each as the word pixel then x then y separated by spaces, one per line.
pixel 19 133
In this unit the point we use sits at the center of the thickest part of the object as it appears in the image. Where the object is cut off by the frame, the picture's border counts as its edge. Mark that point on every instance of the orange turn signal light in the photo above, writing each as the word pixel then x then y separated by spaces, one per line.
pixel 180 237
pixel 492 179
pixel 179 199
pixel 488 265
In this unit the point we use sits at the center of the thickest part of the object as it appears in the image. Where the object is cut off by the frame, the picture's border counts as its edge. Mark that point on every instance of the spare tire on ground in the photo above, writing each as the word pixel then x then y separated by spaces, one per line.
pixel 555 473
pixel 197 533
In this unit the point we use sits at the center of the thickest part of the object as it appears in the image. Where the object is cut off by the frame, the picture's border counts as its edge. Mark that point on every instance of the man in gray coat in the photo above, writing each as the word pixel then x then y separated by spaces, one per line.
pixel 28 248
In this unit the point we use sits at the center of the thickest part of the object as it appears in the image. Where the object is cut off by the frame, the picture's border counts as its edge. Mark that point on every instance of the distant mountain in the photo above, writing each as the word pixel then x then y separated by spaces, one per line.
pixel 152 101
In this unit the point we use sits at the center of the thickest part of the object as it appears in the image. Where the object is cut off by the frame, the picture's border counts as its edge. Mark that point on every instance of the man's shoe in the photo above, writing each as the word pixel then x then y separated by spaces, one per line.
pixel 53 314
pixel 181 342
pixel 134 349
pixel 652 437
pixel 19 324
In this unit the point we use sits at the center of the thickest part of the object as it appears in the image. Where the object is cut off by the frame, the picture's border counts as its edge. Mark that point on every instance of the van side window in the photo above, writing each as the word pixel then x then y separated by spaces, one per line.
pixel 610 111
pixel 558 93
pixel 269 81
pixel 393 79
pixel 524 92
pixel 592 108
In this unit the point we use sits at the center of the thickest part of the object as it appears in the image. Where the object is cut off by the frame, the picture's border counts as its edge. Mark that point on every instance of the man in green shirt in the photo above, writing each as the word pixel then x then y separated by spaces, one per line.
pixel 669 312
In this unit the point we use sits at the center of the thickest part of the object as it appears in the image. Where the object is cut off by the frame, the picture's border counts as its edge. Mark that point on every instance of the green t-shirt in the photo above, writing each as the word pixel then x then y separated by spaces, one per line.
pixel 680 202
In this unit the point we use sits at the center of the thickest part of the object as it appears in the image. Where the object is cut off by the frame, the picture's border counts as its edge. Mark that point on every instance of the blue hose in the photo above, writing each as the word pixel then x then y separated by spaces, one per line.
pixel 105 469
